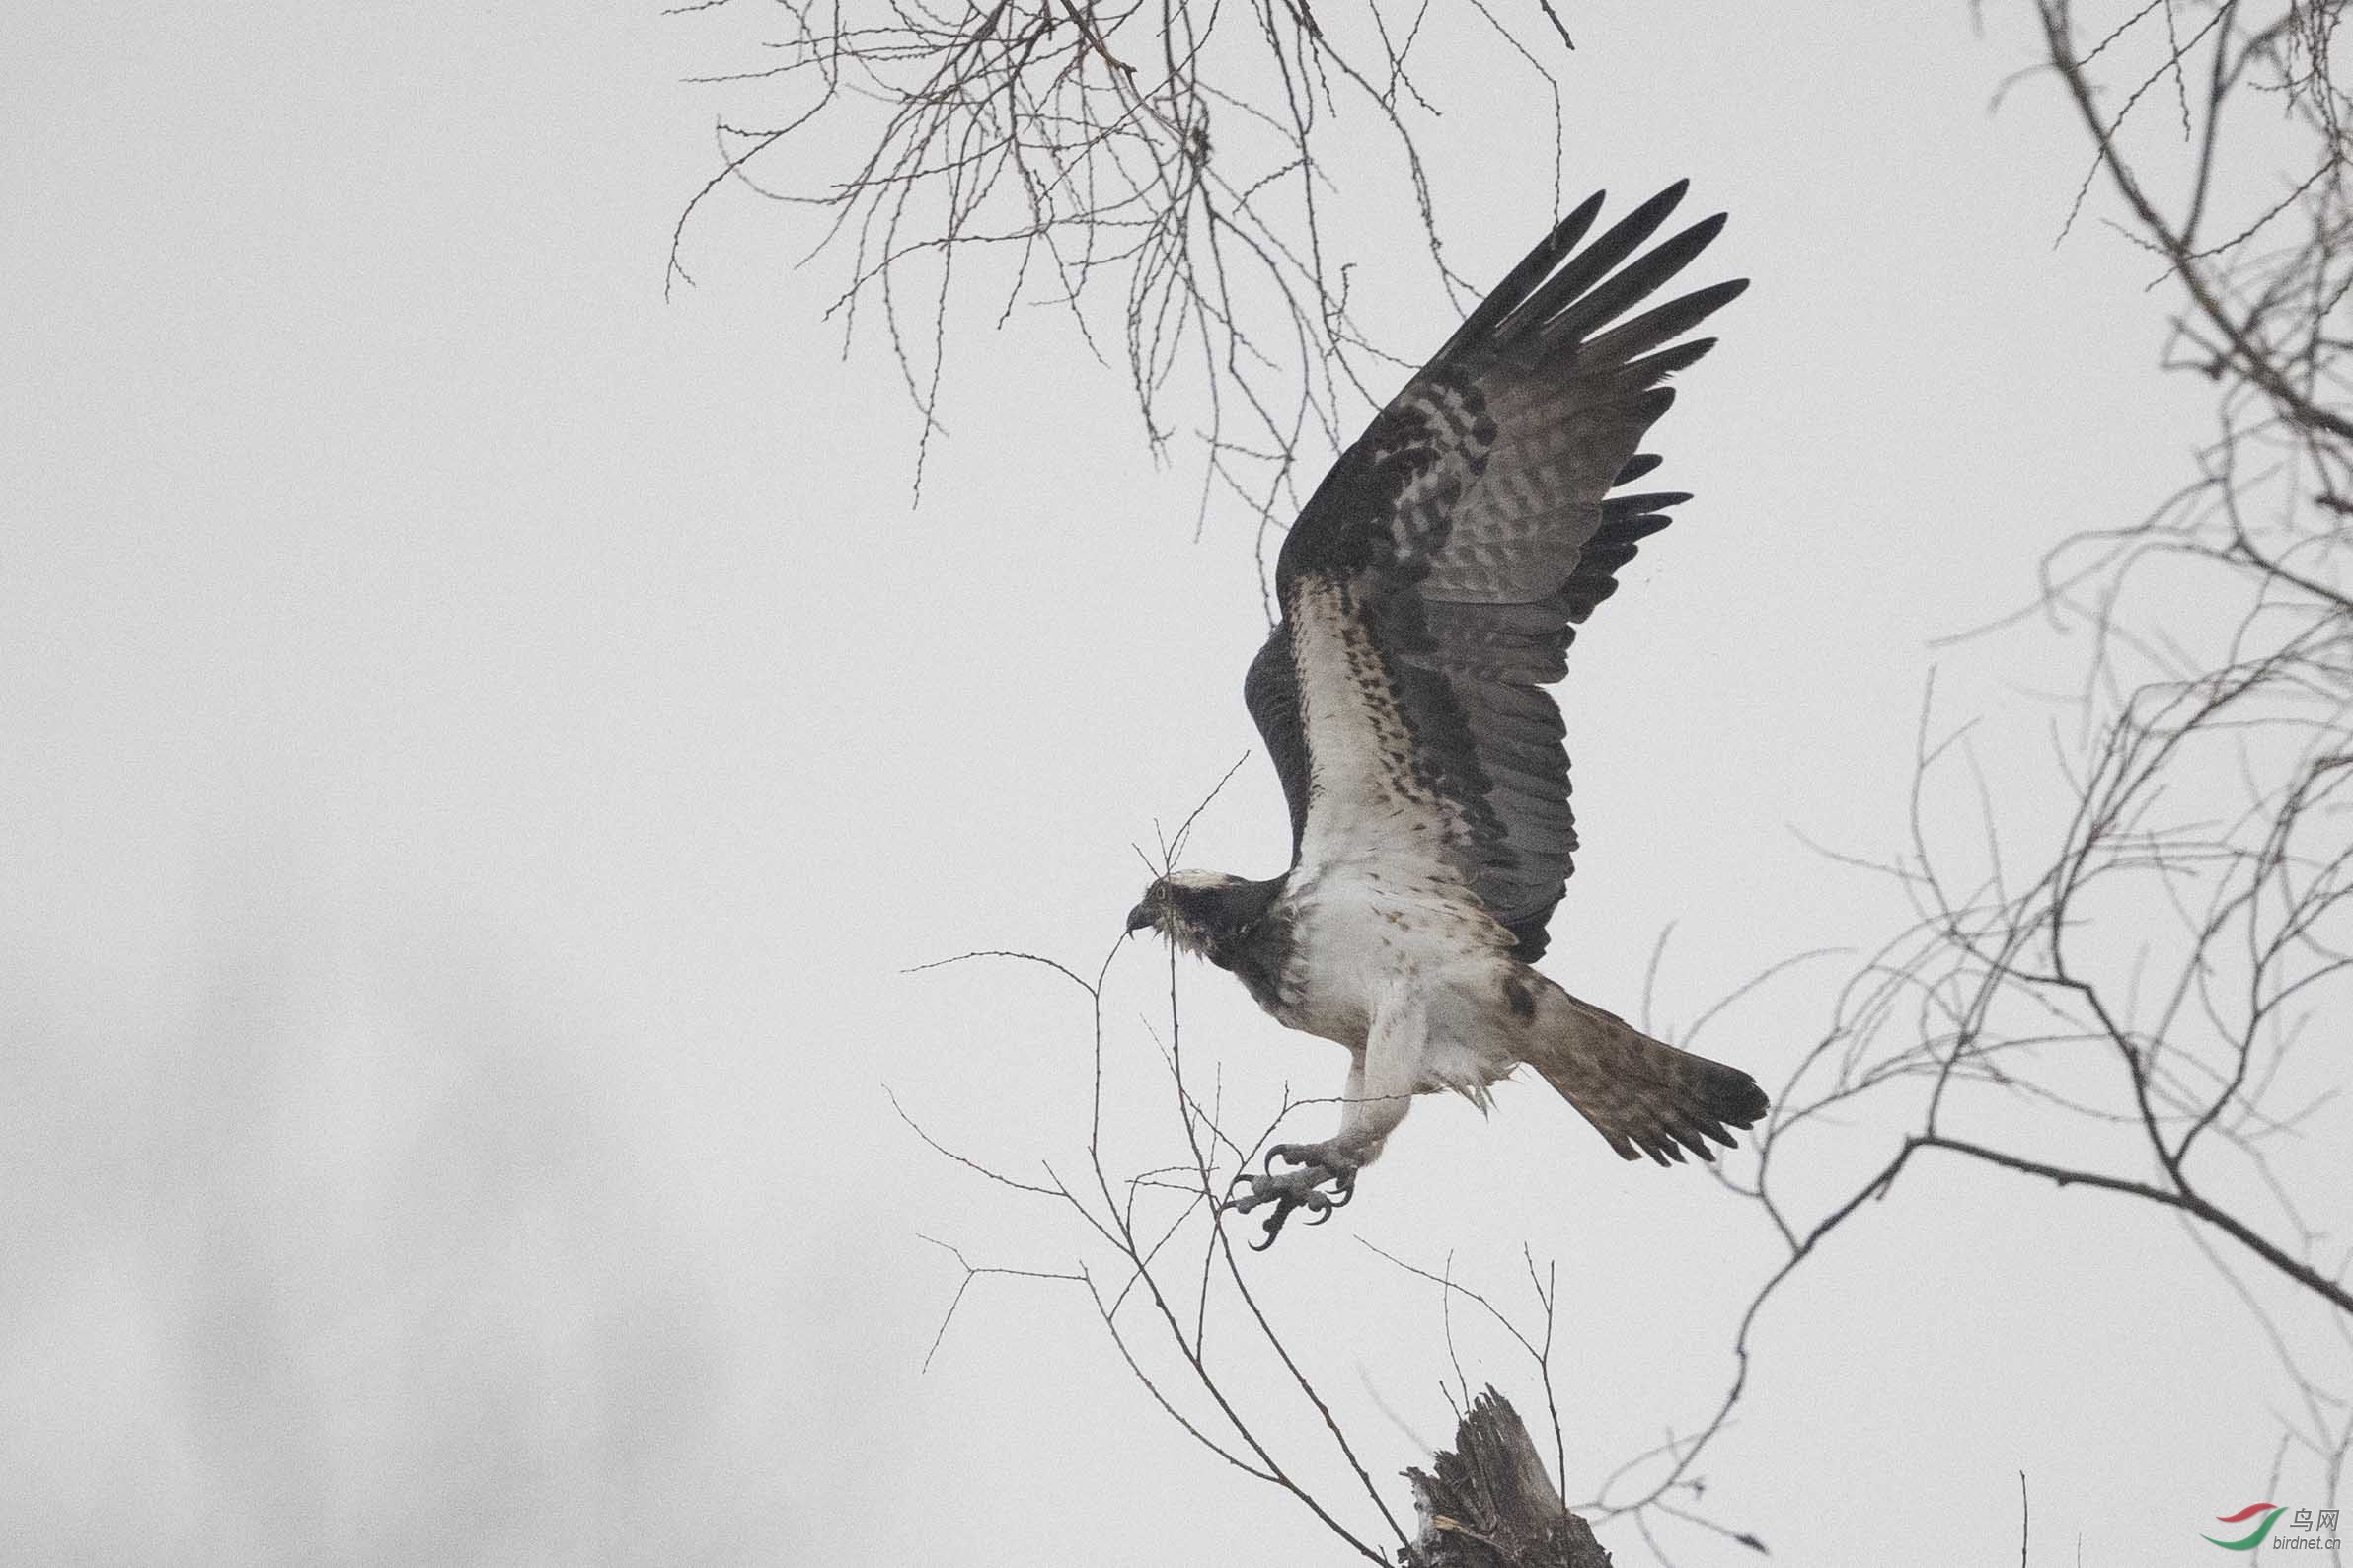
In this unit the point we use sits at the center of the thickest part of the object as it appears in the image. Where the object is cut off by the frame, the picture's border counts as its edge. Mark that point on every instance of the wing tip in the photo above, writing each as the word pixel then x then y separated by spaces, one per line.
pixel 1655 211
pixel 1582 215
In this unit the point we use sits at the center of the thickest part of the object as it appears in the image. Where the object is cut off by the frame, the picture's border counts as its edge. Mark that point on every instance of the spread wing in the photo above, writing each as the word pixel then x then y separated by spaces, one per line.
pixel 1432 585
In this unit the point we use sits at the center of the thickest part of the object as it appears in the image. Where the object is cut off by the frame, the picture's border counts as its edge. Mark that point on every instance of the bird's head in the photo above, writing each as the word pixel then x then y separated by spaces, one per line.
pixel 1189 908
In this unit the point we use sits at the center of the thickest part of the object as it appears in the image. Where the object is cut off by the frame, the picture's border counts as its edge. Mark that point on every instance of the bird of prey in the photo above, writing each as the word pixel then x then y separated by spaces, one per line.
pixel 1428 591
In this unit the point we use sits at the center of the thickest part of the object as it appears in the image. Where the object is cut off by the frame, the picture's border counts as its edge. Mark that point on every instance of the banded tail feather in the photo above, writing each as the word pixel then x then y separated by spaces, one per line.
pixel 1644 1095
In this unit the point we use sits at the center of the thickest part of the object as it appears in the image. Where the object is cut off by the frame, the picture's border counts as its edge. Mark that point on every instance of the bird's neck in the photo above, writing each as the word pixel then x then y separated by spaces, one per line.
pixel 1224 925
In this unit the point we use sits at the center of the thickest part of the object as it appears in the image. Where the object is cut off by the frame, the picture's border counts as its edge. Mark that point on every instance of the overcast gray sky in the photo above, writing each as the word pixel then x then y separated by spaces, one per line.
pixel 480 746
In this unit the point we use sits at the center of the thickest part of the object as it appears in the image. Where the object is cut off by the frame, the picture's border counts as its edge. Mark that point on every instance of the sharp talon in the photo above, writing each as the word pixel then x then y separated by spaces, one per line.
pixel 1318 1184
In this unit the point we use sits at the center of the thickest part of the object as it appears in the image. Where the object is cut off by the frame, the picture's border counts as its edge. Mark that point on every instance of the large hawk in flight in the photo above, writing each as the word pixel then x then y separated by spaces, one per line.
pixel 1428 591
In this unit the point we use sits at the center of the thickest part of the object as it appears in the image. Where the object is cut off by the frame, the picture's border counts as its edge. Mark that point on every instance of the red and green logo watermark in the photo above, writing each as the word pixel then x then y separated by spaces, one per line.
pixel 2304 1528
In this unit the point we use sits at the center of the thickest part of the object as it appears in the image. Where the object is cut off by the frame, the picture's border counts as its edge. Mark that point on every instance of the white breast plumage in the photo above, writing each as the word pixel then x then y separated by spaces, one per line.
pixel 1357 933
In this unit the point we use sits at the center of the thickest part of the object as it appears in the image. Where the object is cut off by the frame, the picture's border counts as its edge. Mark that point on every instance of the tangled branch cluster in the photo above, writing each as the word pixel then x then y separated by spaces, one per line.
pixel 2149 1003
pixel 1172 156
pixel 1168 1284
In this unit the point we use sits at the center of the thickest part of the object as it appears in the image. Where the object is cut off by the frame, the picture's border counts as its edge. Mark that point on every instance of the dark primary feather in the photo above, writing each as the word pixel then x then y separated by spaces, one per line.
pixel 1271 693
pixel 1473 530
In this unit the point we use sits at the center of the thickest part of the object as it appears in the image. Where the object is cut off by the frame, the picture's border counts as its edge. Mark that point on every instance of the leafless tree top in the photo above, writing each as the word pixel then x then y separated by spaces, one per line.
pixel 1163 173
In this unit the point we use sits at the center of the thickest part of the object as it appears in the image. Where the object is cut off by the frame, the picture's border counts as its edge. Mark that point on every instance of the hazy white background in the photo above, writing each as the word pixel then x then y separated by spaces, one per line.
pixel 480 746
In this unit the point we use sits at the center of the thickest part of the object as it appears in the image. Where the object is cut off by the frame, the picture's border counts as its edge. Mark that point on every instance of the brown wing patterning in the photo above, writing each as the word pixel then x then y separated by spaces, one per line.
pixel 1471 529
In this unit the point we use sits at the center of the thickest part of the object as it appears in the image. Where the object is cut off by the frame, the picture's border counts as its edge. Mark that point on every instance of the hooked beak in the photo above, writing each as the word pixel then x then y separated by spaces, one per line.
pixel 1140 918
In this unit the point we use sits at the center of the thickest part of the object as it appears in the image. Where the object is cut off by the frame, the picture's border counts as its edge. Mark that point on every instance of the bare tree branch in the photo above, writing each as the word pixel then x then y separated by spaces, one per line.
pixel 1059 153
pixel 2140 1010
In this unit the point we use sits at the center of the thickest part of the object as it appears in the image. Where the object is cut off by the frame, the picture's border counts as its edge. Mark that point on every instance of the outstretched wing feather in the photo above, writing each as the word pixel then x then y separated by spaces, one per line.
pixel 1434 581
pixel 1270 691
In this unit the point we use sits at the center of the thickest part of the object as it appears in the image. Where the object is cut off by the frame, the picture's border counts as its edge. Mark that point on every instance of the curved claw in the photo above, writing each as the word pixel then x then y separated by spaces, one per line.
pixel 1315 1203
pixel 1301 1188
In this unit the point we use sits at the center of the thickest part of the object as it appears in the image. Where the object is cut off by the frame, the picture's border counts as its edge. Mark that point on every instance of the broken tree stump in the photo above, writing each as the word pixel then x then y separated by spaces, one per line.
pixel 1493 1505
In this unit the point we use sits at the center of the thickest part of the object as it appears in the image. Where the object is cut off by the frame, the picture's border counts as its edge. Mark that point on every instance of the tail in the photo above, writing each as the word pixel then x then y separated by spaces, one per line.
pixel 1641 1094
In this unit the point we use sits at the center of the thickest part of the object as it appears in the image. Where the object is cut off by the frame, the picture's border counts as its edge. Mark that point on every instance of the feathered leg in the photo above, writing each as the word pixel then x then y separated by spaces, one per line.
pixel 1380 1086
